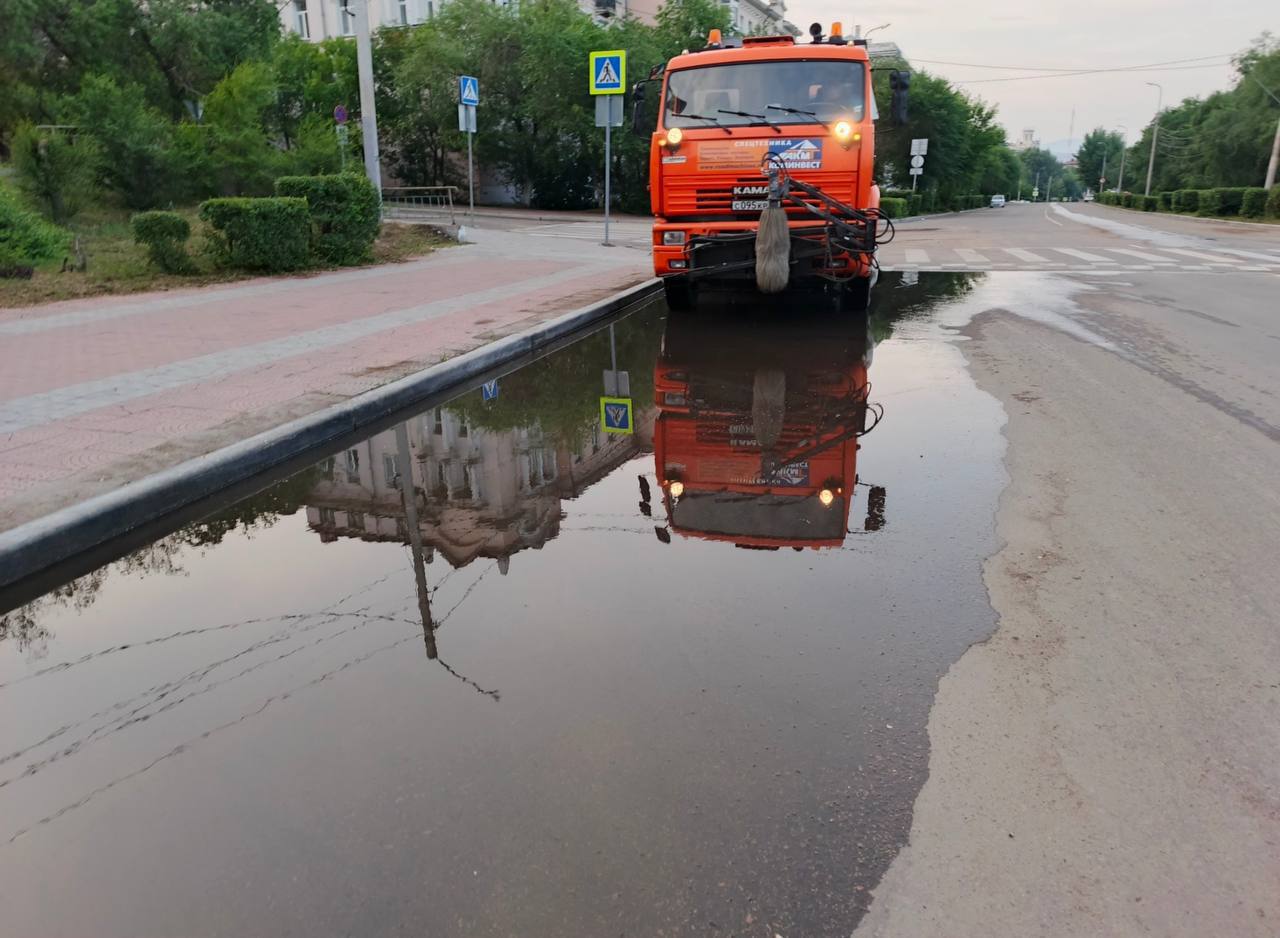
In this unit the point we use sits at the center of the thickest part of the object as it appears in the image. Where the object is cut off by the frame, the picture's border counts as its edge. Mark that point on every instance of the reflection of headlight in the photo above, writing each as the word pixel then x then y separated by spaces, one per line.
pixel 674 136
pixel 843 131
pixel 826 496
pixel 677 489
pixel 673 399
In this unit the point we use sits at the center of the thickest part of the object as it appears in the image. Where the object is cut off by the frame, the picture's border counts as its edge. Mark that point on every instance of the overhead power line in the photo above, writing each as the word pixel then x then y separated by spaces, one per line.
pixel 1096 71
pixel 1072 68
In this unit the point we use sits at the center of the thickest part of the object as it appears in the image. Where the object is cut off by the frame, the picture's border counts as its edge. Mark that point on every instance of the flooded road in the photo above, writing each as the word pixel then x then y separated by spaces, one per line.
pixel 494 671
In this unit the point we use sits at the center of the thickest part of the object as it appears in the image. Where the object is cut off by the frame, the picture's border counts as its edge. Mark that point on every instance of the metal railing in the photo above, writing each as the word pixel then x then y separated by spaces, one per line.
pixel 409 201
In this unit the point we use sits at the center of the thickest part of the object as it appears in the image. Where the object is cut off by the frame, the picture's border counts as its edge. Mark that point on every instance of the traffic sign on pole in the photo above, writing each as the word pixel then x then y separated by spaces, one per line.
pixel 468 90
pixel 340 114
pixel 608 72
pixel 615 415
pixel 920 146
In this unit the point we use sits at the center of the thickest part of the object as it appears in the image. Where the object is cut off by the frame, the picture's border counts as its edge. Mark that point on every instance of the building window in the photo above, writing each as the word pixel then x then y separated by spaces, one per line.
pixel 463 431
pixel 346 19
pixel 353 466
pixel 438 427
pixel 355 520
pixel 326 517
pixel 390 468
pixel 431 9
pixel 300 21
pixel 404 12
pixel 473 482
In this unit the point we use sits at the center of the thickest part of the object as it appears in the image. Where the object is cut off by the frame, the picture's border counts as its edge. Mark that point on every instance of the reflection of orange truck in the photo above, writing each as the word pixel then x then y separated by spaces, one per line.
pixel 756 439
pixel 766 121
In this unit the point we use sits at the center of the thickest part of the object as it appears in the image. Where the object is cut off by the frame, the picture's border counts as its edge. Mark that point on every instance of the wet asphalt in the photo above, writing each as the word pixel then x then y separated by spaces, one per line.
pixel 486 673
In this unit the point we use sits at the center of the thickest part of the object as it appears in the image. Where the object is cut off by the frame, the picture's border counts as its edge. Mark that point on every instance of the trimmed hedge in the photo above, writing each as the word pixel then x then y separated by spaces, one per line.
pixel 1273 202
pixel 165 234
pixel 1147 203
pixel 1254 203
pixel 1186 200
pixel 26 239
pixel 260 234
pixel 894 208
pixel 1126 199
pixel 1210 202
pixel 345 214
pixel 1166 201
pixel 1230 200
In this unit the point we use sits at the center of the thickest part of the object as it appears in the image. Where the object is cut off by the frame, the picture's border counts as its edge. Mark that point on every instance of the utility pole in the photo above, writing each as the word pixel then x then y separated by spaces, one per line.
pixel 1155 135
pixel 1275 159
pixel 368 113
pixel 1102 179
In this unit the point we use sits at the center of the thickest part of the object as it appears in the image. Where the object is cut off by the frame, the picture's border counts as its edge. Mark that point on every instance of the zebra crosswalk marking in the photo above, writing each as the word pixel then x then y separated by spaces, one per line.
pixel 1086 256
pixel 1252 255
pixel 1028 256
pixel 1142 256
pixel 1203 257
pixel 972 257
pixel 916 256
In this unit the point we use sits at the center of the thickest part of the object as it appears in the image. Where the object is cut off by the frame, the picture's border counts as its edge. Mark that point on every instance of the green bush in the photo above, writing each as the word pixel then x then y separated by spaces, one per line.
pixel 1230 200
pixel 26 239
pixel 1273 202
pixel 1166 201
pixel 345 214
pixel 165 234
pixel 917 203
pixel 894 208
pixel 1186 200
pixel 1254 203
pixel 1147 203
pixel 1210 202
pixel 1126 199
pixel 259 234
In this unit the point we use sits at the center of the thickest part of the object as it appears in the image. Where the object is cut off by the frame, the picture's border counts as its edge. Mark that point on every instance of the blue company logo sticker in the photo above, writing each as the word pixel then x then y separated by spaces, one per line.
pixel 798 154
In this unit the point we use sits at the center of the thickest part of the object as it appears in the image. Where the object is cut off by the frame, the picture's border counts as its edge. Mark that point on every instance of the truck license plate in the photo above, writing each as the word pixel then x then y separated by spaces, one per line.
pixel 748 205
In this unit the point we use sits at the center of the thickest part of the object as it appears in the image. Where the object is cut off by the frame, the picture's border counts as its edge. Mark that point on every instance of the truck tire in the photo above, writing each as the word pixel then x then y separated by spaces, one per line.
pixel 681 294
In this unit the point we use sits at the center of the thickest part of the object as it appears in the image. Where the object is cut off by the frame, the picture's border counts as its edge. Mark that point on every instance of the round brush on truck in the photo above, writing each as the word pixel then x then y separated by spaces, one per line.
pixel 761 166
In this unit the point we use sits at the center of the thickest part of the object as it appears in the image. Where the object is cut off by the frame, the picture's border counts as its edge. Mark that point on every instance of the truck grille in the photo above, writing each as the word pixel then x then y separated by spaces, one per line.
pixel 712 193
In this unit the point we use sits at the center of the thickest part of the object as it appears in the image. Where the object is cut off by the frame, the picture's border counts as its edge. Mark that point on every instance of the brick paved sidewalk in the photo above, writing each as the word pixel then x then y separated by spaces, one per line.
pixel 95 393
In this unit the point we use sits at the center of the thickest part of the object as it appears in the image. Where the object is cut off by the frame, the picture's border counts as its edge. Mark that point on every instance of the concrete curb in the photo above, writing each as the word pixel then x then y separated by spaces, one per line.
pixel 34 547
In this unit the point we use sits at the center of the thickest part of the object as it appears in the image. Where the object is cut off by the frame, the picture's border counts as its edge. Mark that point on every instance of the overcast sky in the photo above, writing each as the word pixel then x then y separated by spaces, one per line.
pixel 1081 34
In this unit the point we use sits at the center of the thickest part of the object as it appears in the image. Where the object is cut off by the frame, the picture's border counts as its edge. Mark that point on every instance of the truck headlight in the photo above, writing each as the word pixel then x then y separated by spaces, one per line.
pixel 843 131
pixel 673 237
pixel 674 136
pixel 676 489
pixel 826 496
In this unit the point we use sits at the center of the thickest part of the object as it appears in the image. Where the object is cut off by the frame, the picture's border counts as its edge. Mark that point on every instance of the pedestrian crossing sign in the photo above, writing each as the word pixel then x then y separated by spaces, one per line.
pixel 468 90
pixel 615 415
pixel 608 72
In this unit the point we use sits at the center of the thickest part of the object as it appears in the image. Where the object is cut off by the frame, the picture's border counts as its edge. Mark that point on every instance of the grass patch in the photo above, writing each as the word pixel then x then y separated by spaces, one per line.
pixel 116 265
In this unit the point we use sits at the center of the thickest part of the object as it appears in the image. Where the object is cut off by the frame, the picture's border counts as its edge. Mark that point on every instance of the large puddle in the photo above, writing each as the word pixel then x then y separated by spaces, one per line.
pixel 495 671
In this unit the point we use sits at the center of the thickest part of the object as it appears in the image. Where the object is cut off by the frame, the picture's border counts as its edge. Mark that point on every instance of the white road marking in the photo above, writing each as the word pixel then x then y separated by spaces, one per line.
pixel 1254 255
pixel 1086 256
pixel 916 256
pixel 1028 256
pixel 1202 256
pixel 1143 256
pixel 971 256
pixel 1047 218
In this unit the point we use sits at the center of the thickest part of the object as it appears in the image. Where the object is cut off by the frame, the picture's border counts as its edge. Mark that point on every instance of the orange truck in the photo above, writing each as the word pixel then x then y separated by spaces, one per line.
pixel 756 440
pixel 759 127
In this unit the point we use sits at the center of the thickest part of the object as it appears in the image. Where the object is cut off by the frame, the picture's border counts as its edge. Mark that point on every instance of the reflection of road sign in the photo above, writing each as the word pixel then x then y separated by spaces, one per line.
pixel 917 160
pixel 615 415
pixel 468 90
pixel 919 146
pixel 489 390
pixel 1035 193
pixel 608 72
pixel 916 171
pixel 340 114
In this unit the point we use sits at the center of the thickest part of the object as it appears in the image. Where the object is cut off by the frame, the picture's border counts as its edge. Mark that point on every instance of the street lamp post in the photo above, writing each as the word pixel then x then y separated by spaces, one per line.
pixel 1155 135
pixel 1123 149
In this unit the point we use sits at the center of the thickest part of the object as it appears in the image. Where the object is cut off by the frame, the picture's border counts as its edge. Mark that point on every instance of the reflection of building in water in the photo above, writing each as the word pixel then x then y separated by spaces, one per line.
pixel 480 493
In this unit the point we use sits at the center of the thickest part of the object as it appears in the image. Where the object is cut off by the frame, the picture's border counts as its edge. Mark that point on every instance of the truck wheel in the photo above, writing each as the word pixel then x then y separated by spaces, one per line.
pixel 681 294
pixel 857 294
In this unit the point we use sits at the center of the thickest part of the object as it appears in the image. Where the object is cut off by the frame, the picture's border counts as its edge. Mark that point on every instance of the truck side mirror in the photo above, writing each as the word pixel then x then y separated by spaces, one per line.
pixel 638 121
pixel 899 82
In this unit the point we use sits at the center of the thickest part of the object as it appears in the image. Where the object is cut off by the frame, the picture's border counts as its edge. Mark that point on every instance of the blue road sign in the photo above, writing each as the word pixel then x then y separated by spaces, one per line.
pixel 615 415
pixel 489 390
pixel 608 72
pixel 340 114
pixel 468 90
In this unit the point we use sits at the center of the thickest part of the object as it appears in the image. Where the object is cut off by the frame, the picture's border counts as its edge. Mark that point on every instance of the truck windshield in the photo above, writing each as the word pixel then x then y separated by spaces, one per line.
pixel 820 91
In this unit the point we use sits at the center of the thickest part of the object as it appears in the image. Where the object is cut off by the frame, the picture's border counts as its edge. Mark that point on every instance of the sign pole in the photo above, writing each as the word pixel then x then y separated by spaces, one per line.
pixel 608 164
pixel 471 182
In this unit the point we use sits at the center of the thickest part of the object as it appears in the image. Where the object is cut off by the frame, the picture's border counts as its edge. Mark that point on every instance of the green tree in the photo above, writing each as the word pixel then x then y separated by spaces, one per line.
pixel 26 239
pixel 240 155
pixel 1099 148
pixel 56 169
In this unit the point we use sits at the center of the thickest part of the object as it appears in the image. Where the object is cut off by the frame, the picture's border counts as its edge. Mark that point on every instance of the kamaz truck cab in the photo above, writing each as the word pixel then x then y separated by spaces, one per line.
pixel 767 125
